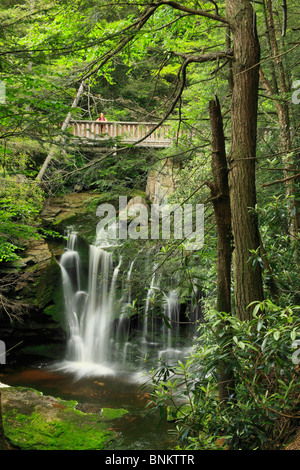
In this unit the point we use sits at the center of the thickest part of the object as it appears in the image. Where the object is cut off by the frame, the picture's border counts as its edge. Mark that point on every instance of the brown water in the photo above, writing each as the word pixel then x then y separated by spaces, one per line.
pixel 138 429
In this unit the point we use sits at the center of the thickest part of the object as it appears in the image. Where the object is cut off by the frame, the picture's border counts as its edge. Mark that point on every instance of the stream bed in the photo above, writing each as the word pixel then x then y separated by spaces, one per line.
pixel 139 429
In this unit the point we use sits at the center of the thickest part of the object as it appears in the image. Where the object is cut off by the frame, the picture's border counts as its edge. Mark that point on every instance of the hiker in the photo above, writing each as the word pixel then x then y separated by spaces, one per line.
pixel 101 118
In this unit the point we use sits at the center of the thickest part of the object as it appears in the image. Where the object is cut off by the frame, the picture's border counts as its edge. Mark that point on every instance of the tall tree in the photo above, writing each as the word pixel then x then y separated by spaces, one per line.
pixel 246 55
pixel 221 202
pixel 60 139
pixel 248 285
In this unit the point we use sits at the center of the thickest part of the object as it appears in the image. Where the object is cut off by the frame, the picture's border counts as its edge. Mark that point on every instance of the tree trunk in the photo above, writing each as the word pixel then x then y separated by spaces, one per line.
pixel 60 140
pixel 247 280
pixel 221 203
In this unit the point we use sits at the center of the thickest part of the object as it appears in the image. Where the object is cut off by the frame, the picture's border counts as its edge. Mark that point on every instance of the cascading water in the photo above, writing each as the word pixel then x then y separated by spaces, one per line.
pixel 101 337
pixel 88 313
pixel 171 331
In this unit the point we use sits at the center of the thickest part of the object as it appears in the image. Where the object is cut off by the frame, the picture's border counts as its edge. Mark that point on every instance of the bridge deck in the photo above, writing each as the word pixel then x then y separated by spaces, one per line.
pixel 126 132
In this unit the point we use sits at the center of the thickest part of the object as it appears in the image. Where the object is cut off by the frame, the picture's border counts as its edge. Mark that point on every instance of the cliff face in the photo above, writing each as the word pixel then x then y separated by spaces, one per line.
pixel 29 290
pixel 58 212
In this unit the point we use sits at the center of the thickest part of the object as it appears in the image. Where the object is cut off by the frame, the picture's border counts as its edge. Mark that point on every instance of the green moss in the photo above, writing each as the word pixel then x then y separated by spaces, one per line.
pixel 110 413
pixel 70 432
pixel 37 422
pixel 138 192
pixel 56 309
pixel 46 350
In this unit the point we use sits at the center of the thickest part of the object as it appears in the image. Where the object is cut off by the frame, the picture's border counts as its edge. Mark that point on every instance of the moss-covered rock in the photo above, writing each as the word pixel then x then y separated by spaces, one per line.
pixel 37 274
pixel 74 209
pixel 33 286
pixel 37 422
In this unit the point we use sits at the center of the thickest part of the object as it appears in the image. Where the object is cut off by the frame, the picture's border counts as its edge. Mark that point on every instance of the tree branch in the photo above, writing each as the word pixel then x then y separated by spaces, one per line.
pixel 282 180
pixel 206 57
pixel 63 127
pixel 193 11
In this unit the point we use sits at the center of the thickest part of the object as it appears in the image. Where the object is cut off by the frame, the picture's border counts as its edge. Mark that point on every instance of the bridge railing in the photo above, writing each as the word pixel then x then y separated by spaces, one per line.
pixel 127 132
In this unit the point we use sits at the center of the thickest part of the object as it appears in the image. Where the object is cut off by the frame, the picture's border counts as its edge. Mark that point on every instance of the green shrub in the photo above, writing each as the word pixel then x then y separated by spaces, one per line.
pixel 261 413
pixel 20 203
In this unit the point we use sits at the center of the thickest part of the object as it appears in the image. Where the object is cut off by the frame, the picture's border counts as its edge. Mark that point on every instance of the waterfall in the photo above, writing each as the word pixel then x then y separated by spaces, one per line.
pixel 70 268
pixel 104 337
pixel 148 318
pixel 172 314
pixel 96 325
pixel 90 313
pixel 171 330
pixel 123 323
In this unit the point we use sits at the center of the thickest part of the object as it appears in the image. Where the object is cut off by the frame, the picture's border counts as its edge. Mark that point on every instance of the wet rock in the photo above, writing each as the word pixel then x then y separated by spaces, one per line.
pixel 31 287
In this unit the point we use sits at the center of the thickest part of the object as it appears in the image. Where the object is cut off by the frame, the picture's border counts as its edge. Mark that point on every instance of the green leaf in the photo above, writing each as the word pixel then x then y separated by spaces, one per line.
pixel 276 335
pixel 264 343
pixel 260 324
pixel 293 335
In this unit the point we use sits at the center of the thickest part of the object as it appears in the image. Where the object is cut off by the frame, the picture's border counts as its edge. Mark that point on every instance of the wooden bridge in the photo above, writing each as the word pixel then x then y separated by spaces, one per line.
pixel 95 132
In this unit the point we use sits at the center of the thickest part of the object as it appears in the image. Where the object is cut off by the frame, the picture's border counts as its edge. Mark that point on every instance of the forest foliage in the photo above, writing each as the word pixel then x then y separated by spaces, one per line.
pixel 156 61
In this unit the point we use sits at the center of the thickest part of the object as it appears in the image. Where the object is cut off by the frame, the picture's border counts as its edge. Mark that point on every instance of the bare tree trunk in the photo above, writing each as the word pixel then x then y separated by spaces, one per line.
pixel 60 140
pixel 248 285
pixel 221 203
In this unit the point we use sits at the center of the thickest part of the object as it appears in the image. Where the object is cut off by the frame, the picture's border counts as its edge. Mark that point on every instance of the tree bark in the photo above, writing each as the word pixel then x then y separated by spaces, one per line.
pixel 221 203
pixel 248 285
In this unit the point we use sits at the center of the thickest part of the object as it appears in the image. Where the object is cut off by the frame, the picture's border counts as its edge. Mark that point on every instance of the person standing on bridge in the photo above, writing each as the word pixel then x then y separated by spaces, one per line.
pixel 101 118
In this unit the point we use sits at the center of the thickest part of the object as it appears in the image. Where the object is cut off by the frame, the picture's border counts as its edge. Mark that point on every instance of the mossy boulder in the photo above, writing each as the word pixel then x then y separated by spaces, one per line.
pixel 62 208
pixel 33 421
